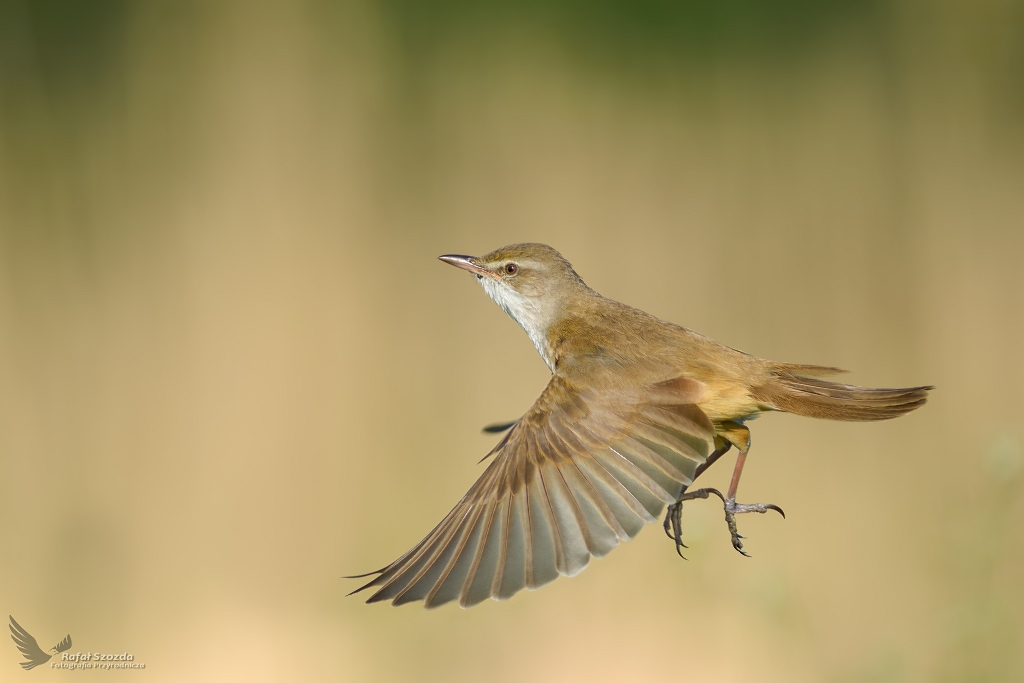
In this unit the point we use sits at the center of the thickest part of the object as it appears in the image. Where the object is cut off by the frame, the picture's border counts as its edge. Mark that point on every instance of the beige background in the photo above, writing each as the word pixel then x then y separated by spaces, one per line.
pixel 232 371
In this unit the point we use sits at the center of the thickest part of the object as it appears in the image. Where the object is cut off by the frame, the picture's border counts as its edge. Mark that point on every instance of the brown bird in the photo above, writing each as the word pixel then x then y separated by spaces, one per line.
pixel 636 409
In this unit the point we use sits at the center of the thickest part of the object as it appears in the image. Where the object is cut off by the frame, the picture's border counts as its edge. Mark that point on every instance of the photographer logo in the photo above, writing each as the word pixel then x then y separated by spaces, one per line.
pixel 34 655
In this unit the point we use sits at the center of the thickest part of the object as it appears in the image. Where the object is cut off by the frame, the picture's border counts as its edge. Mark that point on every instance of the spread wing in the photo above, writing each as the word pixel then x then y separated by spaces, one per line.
pixel 580 472
pixel 64 644
pixel 28 646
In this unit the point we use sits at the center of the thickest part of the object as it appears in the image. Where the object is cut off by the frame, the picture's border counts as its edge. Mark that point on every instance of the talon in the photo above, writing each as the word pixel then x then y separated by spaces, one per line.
pixel 673 527
pixel 716 492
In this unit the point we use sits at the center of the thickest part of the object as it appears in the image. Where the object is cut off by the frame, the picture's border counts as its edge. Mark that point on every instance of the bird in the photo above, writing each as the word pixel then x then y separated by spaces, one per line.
pixel 635 410
pixel 30 648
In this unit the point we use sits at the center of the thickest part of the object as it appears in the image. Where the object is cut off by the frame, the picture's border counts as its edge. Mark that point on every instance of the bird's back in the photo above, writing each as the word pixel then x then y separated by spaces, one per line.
pixel 605 340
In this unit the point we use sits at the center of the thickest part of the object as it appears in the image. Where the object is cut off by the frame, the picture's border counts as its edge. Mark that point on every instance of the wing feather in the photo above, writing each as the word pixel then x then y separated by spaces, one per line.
pixel 547 503
pixel 425 562
pixel 602 523
pixel 433 569
pixel 480 584
pixel 544 545
pixel 578 474
pixel 444 561
pixel 629 512
pixel 663 475
pixel 455 574
pixel 548 560
pixel 513 569
pixel 572 531
pixel 644 489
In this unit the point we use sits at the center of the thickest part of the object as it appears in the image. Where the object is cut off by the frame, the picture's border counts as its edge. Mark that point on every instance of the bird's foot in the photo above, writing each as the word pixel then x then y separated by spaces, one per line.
pixel 732 508
pixel 674 514
pixel 673 517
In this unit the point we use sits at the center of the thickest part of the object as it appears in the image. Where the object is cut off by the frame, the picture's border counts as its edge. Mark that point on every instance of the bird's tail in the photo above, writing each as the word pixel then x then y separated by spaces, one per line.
pixel 797 389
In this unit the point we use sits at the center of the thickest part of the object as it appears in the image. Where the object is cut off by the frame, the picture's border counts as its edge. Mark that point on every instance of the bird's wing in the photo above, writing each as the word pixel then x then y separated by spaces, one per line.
pixel 28 646
pixel 64 644
pixel 580 472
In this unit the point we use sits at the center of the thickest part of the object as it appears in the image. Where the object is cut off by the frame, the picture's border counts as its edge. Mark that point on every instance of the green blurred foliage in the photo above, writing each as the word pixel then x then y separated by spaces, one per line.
pixel 635 34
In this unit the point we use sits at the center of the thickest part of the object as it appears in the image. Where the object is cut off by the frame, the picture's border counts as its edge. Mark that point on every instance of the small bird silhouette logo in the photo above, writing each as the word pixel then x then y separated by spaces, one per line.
pixel 30 648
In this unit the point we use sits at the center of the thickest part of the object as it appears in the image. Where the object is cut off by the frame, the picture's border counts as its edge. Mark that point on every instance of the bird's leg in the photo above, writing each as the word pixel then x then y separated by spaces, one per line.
pixel 740 437
pixel 721 448
pixel 674 514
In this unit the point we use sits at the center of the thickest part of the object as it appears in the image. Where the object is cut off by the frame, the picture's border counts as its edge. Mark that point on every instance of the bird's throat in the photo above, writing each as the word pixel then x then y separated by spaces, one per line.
pixel 529 312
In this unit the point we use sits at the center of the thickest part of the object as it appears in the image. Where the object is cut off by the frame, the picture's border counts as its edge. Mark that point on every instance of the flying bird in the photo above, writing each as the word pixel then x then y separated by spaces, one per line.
pixel 636 409
pixel 30 648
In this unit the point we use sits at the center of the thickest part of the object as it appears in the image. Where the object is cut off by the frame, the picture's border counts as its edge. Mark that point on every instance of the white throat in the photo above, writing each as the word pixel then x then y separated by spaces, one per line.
pixel 527 312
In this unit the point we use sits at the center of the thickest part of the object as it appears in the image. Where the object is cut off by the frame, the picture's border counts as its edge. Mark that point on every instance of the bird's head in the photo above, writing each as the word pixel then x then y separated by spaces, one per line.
pixel 531 282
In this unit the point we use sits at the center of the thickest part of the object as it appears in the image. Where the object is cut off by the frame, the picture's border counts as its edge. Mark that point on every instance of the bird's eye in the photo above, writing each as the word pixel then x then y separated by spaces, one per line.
pixel 511 269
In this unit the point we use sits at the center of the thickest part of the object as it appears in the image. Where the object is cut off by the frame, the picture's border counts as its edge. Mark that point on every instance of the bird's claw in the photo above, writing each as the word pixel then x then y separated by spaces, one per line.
pixel 673 516
pixel 673 526
pixel 732 508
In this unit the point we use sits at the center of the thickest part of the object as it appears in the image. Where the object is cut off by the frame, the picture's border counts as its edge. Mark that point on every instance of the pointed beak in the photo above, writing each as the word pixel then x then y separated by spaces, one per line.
pixel 466 263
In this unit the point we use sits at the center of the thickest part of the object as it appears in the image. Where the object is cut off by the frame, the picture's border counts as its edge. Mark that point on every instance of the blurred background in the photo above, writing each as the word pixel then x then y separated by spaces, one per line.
pixel 232 371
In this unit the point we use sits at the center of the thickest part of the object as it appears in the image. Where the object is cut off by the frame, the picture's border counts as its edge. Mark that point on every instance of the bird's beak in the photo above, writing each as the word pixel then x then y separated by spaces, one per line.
pixel 466 263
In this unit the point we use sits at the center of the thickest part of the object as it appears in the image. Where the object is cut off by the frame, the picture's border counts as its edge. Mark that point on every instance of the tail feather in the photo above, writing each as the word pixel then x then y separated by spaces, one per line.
pixel 807 370
pixel 792 391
